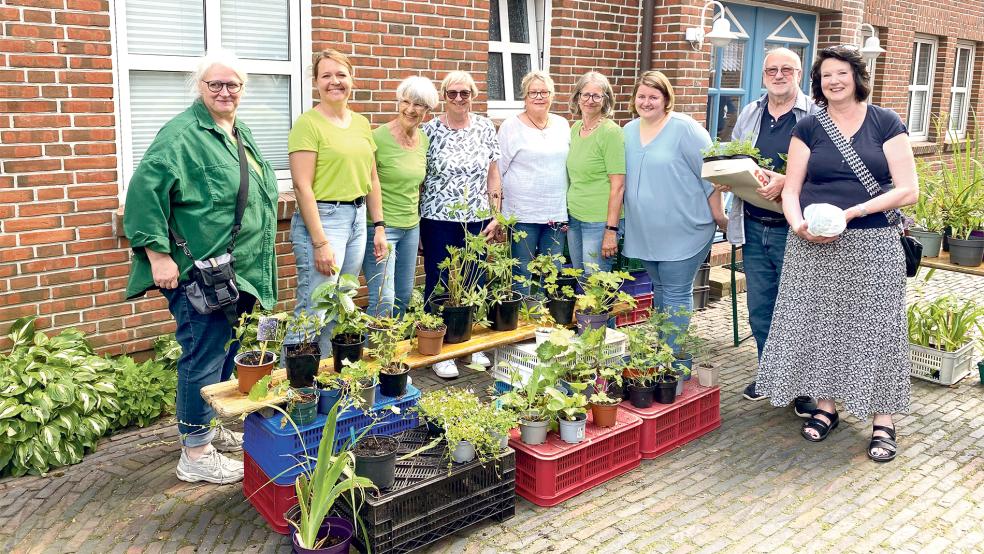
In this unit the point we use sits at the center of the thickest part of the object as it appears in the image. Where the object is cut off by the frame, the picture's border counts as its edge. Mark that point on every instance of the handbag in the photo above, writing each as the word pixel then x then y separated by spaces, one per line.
pixel 911 248
pixel 213 281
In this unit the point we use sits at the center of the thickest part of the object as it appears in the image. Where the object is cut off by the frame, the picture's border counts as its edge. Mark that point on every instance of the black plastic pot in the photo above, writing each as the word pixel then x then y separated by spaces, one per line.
pixel 459 320
pixel 641 396
pixel 301 361
pixel 434 430
pixel 684 361
pixel 346 347
pixel 563 282
pixel 505 315
pixel 666 390
pixel 375 458
pixel 394 385
pixel 561 310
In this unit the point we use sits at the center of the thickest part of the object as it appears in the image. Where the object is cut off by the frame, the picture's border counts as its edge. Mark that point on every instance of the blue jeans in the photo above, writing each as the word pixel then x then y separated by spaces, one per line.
pixel 391 296
pixel 584 242
pixel 673 287
pixel 541 238
pixel 436 236
pixel 204 361
pixel 345 229
pixel 762 259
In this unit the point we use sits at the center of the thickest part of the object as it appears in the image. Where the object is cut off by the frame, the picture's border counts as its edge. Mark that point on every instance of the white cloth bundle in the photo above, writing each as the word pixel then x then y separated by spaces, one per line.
pixel 825 220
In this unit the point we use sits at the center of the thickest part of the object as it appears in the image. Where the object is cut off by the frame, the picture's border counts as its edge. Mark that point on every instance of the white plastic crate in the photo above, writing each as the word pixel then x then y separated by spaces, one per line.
pixel 945 368
pixel 522 357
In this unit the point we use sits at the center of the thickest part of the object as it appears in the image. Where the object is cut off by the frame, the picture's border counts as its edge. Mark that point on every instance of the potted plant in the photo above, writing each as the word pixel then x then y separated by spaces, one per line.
pixel 558 285
pixel 375 459
pixel 464 421
pixel 461 290
pixel 393 371
pixel 336 299
pixel 302 359
pixel 499 265
pixel 430 333
pixel 302 405
pixel 360 380
pixel 601 292
pixel 650 364
pixel 260 336
pixel 570 411
pixel 927 213
pixel 734 150
pixel 962 200
pixel 498 422
pixel 330 390
pixel 528 400
pixel 941 337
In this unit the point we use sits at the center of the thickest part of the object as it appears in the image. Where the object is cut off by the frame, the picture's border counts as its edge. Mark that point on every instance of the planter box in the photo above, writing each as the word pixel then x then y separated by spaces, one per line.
pixel 270 499
pixel 278 451
pixel 428 502
pixel 667 426
pixel 644 305
pixel 523 357
pixel 937 366
pixel 549 473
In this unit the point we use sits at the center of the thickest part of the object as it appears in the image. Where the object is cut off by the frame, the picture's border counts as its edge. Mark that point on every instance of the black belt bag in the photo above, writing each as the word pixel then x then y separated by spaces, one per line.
pixel 213 287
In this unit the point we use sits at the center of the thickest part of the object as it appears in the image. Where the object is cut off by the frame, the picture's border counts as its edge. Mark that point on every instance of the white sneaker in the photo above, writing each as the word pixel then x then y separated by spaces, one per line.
pixel 481 359
pixel 211 467
pixel 228 441
pixel 446 369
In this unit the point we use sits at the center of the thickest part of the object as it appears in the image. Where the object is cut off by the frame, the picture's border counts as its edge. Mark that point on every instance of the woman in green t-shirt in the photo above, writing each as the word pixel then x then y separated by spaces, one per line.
pixel 596 171
pixel 333 168
pixel 401 162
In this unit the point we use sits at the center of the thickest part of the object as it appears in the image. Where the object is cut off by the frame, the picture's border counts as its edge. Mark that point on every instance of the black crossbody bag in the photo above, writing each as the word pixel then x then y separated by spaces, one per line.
pixel 213 286
pixel 910 246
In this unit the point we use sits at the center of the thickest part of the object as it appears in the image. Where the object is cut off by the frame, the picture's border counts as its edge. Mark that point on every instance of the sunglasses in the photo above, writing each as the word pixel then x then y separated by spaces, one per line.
pixel 454 94
pixel 217 86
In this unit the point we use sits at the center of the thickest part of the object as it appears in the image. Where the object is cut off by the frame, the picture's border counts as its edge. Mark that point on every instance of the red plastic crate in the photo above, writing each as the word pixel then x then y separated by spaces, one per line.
pixel 667 426
pixel 270 499
pixel 644 305
pixel 549 473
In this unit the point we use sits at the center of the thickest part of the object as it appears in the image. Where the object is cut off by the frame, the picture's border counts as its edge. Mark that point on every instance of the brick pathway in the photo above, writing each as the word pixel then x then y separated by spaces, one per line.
pixel 752 485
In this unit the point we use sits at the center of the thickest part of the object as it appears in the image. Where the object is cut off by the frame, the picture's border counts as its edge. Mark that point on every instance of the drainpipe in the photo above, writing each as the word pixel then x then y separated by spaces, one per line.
pixel 646 41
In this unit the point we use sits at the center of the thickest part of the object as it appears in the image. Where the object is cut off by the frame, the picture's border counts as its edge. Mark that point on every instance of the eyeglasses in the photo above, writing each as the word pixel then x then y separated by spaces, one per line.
pixel 594 97
pixel 786 70
pixel 454 94
pixel 216 86
pixel 414 105
pixel 538 94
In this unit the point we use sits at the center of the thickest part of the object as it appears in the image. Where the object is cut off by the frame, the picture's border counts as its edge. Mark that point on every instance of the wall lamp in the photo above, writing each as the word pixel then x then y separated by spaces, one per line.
pixel 872 46
pixel 720 35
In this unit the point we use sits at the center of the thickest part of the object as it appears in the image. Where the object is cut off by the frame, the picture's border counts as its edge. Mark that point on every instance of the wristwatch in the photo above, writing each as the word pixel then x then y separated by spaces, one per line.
pixel 864 212
pixel 611 228
pixel 379 223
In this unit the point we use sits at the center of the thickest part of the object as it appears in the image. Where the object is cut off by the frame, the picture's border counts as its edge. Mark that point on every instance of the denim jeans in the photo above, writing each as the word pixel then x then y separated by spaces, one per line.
pixel 584 243
pixel 540 238
pixel 673 287
pixel 204 361
pixel 392 295
pixel 762 259
pixel 436 236
pixel 345 229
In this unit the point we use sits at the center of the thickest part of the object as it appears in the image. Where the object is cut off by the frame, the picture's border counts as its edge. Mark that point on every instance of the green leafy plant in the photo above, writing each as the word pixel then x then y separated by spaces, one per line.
pixel 337 300
pixel 960 182
pixel 144 391
pixel 735 148
pixel 601 292
pixel 386 334
pixel 650 357
pixel 259 332
pixel 463 417
pixel 545 273
pixel 499 264
pixel 945 323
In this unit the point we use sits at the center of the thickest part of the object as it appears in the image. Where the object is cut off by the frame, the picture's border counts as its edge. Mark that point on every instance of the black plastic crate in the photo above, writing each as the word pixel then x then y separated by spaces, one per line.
pixel 428 503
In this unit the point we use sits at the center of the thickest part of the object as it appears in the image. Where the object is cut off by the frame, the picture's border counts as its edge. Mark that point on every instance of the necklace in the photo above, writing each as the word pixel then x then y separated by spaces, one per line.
pixel 530 119
pixel 587 130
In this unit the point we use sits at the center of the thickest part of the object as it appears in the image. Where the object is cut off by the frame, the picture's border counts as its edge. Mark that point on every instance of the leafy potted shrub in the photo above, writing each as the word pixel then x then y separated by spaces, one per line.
pixel 649 363
pixel 330 390
pixel 360 382
pixel 570 410
pixel 498 422
pixel 927 213
pixel 558 285
pixel 337 300
pixel 503 301
pixel 375 459
pixel 302 359
pixel 260 336
pixel 461 291
pixel 465 422
pixel 528 400
pixel 600 294
pixel 302 405
pixel 430 333
pixel 393 371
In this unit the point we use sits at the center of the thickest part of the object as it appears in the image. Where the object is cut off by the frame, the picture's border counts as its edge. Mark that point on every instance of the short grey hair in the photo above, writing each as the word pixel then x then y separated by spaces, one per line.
pixel 537 76
pixel 216 56
pixel 418 90
pixel 782 51
pixel 594 78
pixel 459 77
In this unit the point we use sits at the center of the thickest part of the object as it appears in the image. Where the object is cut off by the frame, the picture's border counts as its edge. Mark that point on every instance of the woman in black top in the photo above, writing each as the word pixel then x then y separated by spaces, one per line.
pixel 839 326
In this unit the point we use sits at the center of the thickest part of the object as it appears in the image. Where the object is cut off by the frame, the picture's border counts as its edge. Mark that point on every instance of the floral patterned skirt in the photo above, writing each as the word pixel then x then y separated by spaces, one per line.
pixel 839 326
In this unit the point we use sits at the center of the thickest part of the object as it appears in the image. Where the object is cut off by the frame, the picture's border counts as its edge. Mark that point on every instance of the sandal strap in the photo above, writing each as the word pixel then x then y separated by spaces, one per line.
pixel 884 444
pixel 890 431
pixel 817 425
pixel 830 416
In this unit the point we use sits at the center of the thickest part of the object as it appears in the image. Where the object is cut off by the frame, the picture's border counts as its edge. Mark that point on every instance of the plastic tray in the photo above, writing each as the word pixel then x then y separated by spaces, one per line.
pixel 703 277
pixel 937 366
pixel 549 473
pixel 642 284
pixel 667 426
pixel 429 501
pixel 644 306
pixel 271 500
pixel 701 297
pixel 523 358
pixel 279 451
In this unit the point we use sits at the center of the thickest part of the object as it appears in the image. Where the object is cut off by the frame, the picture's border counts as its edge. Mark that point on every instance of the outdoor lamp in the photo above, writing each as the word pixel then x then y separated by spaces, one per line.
pixel 872 46
pixel 720 35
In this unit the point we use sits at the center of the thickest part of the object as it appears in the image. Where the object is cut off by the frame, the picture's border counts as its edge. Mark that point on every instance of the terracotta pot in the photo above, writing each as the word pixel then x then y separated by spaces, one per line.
pixel 429 342
pixel 249 375
pixel 604 415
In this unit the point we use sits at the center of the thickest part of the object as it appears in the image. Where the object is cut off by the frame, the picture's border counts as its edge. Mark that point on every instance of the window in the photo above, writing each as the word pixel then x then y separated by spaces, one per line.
pixel 516 46
pixel 921 87
pixel 963 71
pixel 159 42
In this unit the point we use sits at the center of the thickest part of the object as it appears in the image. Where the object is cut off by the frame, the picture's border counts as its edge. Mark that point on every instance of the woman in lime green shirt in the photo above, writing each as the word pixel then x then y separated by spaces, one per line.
pixel 596 171
pixel 333 168
pixel 401 162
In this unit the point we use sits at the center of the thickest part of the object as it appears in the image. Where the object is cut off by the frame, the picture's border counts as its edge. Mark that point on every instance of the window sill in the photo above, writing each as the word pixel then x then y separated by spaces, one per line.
pixel 962 143
pixel 285 209
pixel 923 148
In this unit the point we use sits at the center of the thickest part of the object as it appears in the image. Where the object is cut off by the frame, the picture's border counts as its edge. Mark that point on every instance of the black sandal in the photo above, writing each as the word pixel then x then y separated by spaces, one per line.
pixel 885 443
pixel 820 426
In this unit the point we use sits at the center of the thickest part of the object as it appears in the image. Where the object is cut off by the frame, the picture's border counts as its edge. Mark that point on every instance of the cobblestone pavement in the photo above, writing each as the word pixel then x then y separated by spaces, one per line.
pixel 752 485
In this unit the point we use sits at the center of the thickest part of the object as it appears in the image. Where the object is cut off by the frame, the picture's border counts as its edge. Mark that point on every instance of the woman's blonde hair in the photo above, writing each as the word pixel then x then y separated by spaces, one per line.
pixel 334 55
pixel 458 77
pixel 654 79
pixel 594 78
pixel 537 76
pixel 214 57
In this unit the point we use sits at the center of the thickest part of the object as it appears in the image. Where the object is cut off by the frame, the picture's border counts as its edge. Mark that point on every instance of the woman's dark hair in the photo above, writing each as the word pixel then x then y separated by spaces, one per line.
pixel 852 56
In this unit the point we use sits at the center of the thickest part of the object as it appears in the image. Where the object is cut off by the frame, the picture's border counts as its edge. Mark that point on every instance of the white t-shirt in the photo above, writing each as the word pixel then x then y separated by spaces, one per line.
pixel 534 170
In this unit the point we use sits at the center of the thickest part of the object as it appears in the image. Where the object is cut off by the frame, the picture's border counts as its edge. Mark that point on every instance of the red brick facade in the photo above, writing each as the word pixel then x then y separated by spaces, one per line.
pixel 61 257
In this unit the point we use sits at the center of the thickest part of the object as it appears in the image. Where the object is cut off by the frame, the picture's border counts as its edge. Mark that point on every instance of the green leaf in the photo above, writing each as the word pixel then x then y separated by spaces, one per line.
pixel 104 386
pixel 9 408
pixel 21 333
pixel 50 436
pixel 61 393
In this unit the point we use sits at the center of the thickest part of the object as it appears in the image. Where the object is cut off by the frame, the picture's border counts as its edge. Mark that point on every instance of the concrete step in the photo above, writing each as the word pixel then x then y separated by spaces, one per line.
pixel 721 282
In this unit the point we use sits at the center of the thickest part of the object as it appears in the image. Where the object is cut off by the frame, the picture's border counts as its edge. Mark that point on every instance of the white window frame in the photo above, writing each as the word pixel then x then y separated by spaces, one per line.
pixel 961 131
pixel 123 63
pixel 921 42
pixel 538 29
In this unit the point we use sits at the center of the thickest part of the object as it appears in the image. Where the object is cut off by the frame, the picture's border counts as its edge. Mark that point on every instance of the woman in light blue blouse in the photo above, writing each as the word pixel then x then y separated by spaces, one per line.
pixel 670 212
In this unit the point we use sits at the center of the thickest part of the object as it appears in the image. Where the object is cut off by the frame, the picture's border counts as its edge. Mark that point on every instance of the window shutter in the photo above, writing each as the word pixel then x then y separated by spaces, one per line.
pixel 155 98
pixel 165 27
pixel 265 108
pixel 256 29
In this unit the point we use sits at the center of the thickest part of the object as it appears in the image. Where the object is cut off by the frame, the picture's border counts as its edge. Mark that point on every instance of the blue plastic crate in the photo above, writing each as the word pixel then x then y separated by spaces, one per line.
pixel 279 450
pixel 501 387
pixel 642 284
